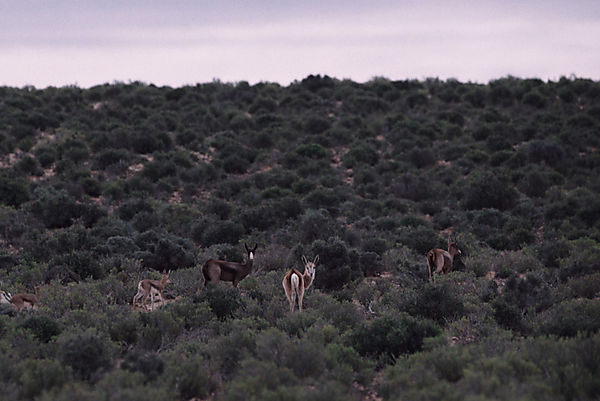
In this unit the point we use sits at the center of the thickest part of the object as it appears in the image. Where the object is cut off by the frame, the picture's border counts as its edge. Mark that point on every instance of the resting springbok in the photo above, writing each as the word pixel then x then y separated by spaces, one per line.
pixel 150 288
pixel 440 261
pixel 219 270
pixel 26 301
pixel 295 283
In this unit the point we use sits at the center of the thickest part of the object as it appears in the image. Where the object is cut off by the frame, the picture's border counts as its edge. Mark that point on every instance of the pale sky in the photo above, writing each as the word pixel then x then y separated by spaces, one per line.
pixel 180 42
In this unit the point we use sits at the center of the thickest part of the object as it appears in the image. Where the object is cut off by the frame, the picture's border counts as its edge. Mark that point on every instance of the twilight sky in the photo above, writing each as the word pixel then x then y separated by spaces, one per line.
pixel 178 42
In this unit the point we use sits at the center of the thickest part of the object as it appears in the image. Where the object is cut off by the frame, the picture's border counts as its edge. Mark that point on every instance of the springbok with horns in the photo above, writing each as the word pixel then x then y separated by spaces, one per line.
pixel 440 261
pixel 219 270
pixel 295 283
pixel 26 301
pixel 151 288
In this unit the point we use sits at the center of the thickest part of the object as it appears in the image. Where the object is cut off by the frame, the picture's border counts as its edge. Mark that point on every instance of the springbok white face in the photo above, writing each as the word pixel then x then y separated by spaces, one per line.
pixel 309 266
pixel 250 251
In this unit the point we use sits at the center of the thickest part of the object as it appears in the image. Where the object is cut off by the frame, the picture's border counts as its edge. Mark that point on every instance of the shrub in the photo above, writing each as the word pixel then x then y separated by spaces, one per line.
pixel 13 192
pixel 222 232
pixel 361 154
pixel 149 364
pixel 569 318
pixel 234 164
pixel 305 358
pixel 486 190
pixel 42 327
pixel 83 263
pixel 334 269
pixel 55 208
pixel 191 378
pixel 388 337
pixel 440 301
pixel 420 238
pixel 583 258
pixel 507 315
pixel 316 125
pixel 223 301
pixel 85 351
pixel 42 375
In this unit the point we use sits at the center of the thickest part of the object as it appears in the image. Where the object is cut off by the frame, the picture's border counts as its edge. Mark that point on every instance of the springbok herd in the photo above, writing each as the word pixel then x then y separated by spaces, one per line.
pixel 294 283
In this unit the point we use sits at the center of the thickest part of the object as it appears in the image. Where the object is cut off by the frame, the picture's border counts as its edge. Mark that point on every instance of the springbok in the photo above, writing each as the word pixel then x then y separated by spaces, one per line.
pixel 219 270
pixel 27 301
pixel 440 261
pixel 5 297
pixel 150 288
pixel 294 283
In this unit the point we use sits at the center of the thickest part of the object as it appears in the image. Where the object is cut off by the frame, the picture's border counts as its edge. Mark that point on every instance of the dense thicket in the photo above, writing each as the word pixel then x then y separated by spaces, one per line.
pixel 102 187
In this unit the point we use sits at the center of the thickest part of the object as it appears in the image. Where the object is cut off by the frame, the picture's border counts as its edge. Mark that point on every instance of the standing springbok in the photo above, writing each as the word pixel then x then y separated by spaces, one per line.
pixel 294 283
pixel 219 270
pixel 26 301
pixel 440 261
pixel 150 288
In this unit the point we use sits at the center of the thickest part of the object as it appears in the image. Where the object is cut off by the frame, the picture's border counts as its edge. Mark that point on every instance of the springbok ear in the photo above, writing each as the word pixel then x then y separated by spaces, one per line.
pixel 246 246
pixel 255 246
pixel 304 260
pixel 316 259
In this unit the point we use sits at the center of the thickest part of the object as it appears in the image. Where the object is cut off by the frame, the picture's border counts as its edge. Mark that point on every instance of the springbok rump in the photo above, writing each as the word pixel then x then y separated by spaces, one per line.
pixel 440 261
pixel 295 283
pixel 219 270
pixel 5 297
pixel 151 288
pixel 26 301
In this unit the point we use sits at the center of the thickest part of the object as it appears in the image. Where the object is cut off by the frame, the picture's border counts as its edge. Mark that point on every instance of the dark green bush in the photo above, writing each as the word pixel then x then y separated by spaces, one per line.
pixel 485 190
pixel 87 352
pixel 42 375
pixel 222 232
pixel 13 192
pixel 389 336
pixel 334 264
pixel 439 301
pixel 362 153
pixel 570 318
pixel 42 327
pixel 149 364
pixel 223 301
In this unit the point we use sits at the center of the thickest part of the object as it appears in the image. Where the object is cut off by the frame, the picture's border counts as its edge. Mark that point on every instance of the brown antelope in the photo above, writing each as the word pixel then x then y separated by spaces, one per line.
pixel 219 270
pixel 295 283
pixel 150 288
pixel 440 261
pixel 26 301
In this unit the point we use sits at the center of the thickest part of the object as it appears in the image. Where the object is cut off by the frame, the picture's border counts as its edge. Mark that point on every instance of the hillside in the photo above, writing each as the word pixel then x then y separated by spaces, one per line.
pixel 102 187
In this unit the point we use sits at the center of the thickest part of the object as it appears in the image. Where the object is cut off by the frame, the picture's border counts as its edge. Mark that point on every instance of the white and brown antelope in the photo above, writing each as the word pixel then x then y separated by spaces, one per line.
pixel 219 270
pixel 26 301
pixel 294 283
pixel 440 261
pixel 151 288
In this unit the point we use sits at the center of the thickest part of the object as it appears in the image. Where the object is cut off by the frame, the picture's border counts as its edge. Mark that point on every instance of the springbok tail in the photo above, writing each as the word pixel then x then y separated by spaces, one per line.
pixel 295 280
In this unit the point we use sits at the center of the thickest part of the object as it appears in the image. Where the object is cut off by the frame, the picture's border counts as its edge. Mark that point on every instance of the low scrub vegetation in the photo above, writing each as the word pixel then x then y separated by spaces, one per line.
pixel 103 187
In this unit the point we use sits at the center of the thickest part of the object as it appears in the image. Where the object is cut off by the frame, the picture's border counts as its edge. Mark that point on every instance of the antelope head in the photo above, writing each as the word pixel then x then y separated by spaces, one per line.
pixel 309 267
pixel 250 252
pixel 453 248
